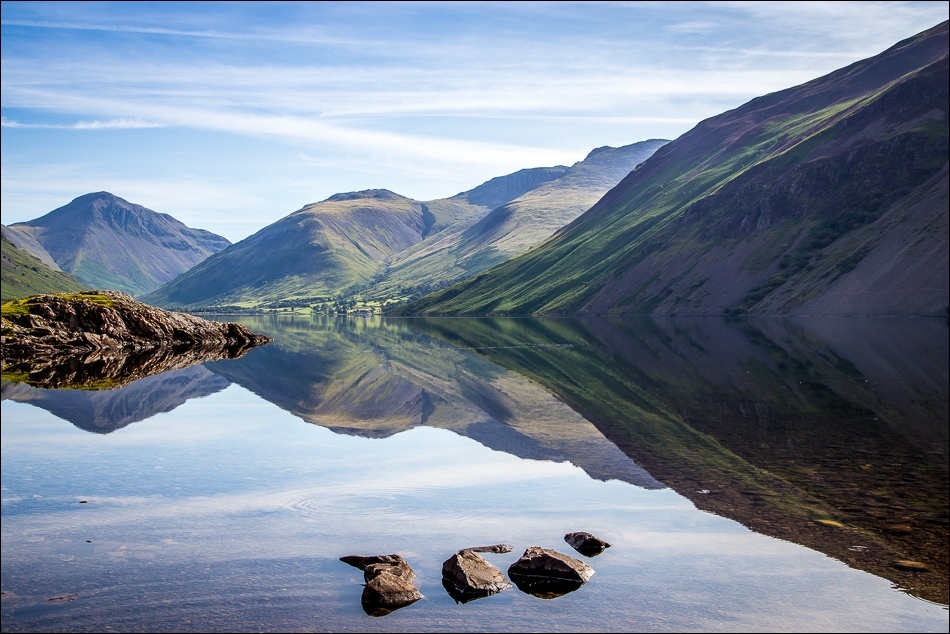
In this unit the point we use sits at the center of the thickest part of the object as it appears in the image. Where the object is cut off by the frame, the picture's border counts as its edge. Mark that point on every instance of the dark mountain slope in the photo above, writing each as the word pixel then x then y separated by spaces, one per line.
pixel 108 243
pixel 769 208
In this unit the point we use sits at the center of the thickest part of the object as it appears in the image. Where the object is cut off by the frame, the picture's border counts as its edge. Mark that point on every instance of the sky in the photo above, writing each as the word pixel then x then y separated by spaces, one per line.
pixel 231 115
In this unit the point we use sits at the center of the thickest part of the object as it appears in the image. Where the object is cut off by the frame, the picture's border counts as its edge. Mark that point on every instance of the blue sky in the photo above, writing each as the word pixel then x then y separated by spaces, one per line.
pixel 230 116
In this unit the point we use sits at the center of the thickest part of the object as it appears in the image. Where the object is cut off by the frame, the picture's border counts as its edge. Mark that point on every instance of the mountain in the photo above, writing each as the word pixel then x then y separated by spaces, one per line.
pixel 23 274
pixel 106 242
pixel 333 246
pixel 510 228
pixel 825 198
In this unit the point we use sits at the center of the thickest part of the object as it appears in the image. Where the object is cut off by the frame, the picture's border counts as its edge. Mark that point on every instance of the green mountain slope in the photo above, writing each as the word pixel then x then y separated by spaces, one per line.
pixel 825 198
pixel 22 275
pixel 510 228
pixel 334 246
pixel 109 243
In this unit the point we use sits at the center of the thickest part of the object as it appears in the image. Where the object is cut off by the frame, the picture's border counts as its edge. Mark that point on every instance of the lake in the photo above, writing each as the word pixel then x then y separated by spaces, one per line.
pixel 750 475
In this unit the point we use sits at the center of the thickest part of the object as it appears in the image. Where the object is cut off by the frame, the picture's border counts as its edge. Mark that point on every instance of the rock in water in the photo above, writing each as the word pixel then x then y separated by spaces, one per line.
pixel 467 576
pixel 547 573
pixel 389 583
pixel 586 544
pixel 66 323
pixel 362 561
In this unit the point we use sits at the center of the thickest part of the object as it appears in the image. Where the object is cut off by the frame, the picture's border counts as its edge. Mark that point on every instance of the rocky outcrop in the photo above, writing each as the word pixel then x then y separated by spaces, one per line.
pixel 51 326
pixel 547 573
pixel 467 576
pixel 586 544
pixel 389 583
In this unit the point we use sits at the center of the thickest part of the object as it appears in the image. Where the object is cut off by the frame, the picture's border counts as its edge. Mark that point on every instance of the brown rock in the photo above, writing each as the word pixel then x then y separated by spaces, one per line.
pixel 389 583
pixel 548 573
pixel 586 544
pixel 361 561
pixel 67 323
pixel 467 576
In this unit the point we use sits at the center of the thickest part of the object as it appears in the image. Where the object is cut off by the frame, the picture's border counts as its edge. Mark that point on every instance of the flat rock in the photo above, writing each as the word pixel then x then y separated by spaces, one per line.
pixel 362 561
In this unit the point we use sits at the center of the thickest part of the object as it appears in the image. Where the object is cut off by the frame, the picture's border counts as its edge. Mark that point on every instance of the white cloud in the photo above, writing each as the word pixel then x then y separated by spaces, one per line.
pixel 112 124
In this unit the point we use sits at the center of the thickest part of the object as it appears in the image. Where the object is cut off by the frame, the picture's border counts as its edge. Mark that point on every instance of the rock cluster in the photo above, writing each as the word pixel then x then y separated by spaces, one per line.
pixel 467 576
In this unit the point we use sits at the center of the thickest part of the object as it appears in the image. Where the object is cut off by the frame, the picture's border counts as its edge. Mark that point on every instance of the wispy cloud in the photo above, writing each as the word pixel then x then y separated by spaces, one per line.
pixel 112 124
pixel 264 35
pixel 427 99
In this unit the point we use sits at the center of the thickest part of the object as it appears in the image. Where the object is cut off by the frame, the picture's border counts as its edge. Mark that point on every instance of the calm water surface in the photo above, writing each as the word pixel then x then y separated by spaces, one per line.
pixel 750 476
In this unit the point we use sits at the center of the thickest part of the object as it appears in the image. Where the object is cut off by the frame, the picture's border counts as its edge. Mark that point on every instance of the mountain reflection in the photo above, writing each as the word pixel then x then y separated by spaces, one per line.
pixel 830 433
pixel 105 390
pixel 376 378
pixel 104 411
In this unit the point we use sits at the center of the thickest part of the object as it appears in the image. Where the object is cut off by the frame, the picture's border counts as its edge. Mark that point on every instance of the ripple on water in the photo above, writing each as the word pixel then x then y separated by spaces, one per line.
pixel 416 504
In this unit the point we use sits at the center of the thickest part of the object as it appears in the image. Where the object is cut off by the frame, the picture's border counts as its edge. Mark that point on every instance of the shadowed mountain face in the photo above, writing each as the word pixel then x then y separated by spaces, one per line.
pixel 828 433
pixel 330 247
pixel 510 228
pixel 108 243
pixel 22 274
pixel 825 198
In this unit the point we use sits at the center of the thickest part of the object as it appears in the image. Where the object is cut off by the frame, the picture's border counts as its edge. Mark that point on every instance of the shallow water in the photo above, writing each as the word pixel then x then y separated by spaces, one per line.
pixel 224 504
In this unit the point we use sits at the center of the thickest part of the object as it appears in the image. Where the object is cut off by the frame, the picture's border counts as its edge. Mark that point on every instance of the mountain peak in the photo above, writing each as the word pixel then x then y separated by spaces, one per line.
pixel 375 194
pixel 109 243
pixel 599 150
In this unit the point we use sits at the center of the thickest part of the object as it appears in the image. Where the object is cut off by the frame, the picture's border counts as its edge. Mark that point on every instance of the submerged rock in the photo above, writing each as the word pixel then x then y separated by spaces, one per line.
pixel 467 576
pixel 547 573
pixel 586 544
pixel 390 583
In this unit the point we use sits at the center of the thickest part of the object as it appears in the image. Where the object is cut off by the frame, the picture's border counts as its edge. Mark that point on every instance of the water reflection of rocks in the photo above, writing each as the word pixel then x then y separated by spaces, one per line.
pixel 113 368
pixel 108 390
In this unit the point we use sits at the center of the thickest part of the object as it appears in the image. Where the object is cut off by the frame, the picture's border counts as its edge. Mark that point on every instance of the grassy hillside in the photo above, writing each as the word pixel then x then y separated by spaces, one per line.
pixel 24 275
pixel 334 247
pixel 510 228
pixel 771 208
